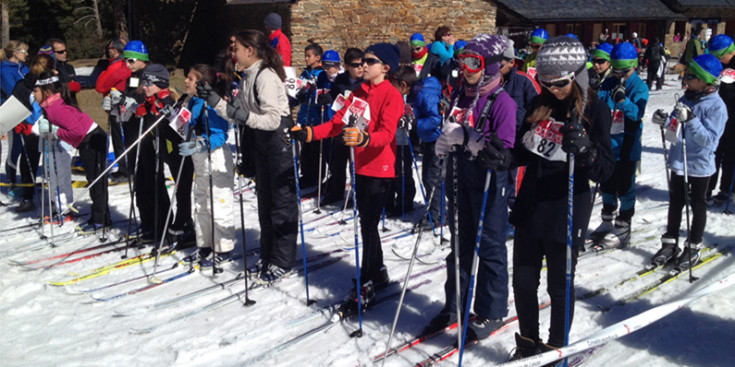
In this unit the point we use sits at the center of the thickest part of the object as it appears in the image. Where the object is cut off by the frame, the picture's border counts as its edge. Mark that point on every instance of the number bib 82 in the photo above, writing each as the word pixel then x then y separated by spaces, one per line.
pixel 545 140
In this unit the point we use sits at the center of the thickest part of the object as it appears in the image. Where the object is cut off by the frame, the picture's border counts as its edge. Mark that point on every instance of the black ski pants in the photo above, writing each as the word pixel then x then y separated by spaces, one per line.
pixel 93 153
pixel 118 142
pixel 28 163
pixel 372 193
pixel 677 201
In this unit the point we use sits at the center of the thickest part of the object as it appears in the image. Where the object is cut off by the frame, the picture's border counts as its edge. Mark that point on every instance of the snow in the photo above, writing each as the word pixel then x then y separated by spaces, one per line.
pixel 45 325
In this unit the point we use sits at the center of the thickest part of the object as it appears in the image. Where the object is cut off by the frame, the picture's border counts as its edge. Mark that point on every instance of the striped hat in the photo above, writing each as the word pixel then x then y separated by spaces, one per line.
pixel 417 39
pixel 602 51
pixel 721 45
pixel 135 50
pixel 706 68
pixel 624 56
pixel 560 57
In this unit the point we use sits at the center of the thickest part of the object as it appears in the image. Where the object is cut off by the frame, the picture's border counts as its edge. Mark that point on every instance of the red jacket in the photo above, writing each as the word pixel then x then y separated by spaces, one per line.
pixel 114 76
pixel 280 42
pixel 386 108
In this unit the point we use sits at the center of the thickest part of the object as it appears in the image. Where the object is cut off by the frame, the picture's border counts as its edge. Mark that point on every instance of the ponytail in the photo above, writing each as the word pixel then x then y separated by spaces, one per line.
pixel 55 87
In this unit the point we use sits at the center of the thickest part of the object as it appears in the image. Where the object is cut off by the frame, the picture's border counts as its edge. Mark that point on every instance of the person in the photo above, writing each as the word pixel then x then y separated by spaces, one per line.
pixel 722 47
pixel 344 84
pixel 66 71
pixel 626 95
pixel 211 132
pixel 604 36
pixel 64 121
pixel 601 69
pixel 654 55
pixel 310 114
pixel 677 37
pixel 692 49
pixel 540 211
pixel 12 70
pixel 419 53
pixel 482 115
pixel 538 37
pixel 428 96
pixel 443 45
pixel 111 84
pixel 701 114
pixel 403 190
pixel 262 104
pixel 278 40
pixel 374 165
pixel 637 42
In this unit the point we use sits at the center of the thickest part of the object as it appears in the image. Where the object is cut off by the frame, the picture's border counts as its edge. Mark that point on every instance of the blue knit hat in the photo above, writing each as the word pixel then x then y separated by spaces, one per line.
pixel 135 50
pixel 539 36
pixel 624 56
pixel 331 57
pixel 417 39
pixel 721 45
pixel 388 53
pixel 706 68
pixel 602 51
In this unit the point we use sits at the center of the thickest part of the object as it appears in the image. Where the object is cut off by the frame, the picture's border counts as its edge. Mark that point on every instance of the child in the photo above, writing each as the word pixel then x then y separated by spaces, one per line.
pixel 400 200
pixel 428 128
pixel 66 122
pixel 538 37
pixel 212 140
pixel 375 155
pixel 310 113
pixel 702 115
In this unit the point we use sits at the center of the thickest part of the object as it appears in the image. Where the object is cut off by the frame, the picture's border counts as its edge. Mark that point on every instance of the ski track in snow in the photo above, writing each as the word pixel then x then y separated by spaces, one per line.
pixel 43 325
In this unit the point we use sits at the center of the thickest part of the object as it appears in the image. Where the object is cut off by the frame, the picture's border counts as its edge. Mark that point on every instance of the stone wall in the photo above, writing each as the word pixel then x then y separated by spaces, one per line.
pixel 351 23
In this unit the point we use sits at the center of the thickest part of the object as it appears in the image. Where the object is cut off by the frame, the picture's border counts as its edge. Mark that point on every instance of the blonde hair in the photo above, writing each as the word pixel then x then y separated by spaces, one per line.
pixel 12 47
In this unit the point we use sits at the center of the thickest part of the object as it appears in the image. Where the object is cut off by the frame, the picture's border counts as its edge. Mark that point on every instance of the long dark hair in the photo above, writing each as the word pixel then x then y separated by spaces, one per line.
pixel 545 102
pixel 208 74
pixel 56 87
pixel 258 41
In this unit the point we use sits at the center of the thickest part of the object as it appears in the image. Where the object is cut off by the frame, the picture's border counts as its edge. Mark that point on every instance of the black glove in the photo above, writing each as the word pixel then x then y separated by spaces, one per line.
pixel 324 99
pixel 619 93
pixel 406 122
pixel 660 117
pixel 205 92
pixel 575 139
pixel 301 95
pixel 494 156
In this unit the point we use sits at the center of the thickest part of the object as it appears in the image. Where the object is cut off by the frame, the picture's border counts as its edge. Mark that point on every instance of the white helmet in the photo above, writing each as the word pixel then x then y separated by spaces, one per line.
pixel 635 35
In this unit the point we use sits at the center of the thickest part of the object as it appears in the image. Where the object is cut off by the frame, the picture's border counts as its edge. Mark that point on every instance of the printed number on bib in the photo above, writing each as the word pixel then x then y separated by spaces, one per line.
pixel 545 140
pixel 618 123
pixel 671 134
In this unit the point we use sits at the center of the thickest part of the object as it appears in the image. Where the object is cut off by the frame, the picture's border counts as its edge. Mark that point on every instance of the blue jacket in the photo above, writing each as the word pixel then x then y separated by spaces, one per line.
pixel 702 134
pixel 310 109
pixel 522 90
pixel 627 145
pixel 10 73
pixel 426 110
pixel 217 125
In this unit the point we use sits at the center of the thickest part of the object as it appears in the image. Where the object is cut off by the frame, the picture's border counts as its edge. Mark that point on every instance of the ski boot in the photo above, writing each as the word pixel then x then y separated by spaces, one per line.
pixel 603 229
pixel 668 251
pixel 367 295
pixel 525 347
pixel 440 321
pixel 687 260
pixel 197 256
pixel 217 259
pixel 543 348
pixel 619 237
pixel 273 274
pixel 482 327
pixel 256 269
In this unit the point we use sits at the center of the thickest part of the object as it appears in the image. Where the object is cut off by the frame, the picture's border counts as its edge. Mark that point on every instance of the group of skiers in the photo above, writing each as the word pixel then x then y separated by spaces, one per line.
pixel 562 115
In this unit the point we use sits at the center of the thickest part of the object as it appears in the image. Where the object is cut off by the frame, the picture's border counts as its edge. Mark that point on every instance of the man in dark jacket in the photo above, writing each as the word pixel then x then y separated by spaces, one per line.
pixel 653 55
pixel 67 74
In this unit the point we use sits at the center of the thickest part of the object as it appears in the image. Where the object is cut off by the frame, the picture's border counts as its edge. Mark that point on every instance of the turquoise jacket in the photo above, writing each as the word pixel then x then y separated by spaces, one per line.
pixel 626 146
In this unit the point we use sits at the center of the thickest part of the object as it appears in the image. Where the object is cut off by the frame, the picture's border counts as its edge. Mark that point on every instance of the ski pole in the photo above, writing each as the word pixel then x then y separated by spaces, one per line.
pixel 58 190
pixel 666 157
pixel 403 185
pixel 248 301
pixel 384 228
pixel 475 257
pixel 570 229
pixel 131 185
pixel 441 212
pixel 357 333
pixel 132 197
pixel 408 273
pixel 301 220
pixel 686 197
pixel 48 187
pixel 455 234
pixel 165 113
pixel 421 185
pixel 215 269
pixel 319 181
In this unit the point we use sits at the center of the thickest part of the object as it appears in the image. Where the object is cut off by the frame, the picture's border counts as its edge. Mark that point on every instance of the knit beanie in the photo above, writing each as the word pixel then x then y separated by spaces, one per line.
pixel 273 21
pixel 560 57
pixel 417 39
pixel 46 50
pixel 721 45
pixel 539 36
pixel 490 47
pixel 706 68
pixel 459 47
pixel 156 74
pixel 118 44
pixel 388 53
pixel 602 51
pixel 624 56
pixel 135 50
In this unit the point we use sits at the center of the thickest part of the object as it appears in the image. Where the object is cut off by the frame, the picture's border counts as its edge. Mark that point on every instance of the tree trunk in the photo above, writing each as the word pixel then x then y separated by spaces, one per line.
pixel 5 26
pixel 98 22
pixel 120 27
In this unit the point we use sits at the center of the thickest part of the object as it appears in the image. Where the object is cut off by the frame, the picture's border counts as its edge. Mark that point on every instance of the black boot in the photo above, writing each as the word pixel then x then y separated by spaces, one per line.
pixel 690 256
pixel 525 347
pixel 668 251
pixel 440 321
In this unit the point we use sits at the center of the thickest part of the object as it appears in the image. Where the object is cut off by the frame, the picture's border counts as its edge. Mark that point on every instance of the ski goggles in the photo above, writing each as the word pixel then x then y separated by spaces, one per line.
pixel 131 60
pixel 559 82
pixel 471 62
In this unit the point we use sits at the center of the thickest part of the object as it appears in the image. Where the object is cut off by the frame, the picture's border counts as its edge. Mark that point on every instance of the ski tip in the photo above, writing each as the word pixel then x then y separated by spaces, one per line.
pixel 154 280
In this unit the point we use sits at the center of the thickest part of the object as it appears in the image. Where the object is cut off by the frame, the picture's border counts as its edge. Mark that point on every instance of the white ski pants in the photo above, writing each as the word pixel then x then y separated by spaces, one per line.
pixel 222 190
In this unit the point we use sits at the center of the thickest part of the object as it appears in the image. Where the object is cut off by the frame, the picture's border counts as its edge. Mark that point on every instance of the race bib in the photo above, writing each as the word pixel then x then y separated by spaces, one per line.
pixel 180 123
pixel 292 83
pixel 358 114
pixel 545 140
pixel 460 115
pixel 618 123
pixel 672 131
pixel 531 72
pixel 339 103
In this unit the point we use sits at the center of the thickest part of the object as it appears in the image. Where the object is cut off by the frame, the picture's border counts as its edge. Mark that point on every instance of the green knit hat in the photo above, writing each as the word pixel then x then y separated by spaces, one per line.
pixel 624 56
pixel 602 51
pixel 706 68
pixel 721 45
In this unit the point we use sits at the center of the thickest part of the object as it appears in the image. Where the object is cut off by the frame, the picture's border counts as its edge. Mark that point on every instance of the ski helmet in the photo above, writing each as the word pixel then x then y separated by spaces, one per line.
pixel 624 56
pixel 539 35
pixel 135 50
pixel 721 45
pixel 706 68
pixel 331 57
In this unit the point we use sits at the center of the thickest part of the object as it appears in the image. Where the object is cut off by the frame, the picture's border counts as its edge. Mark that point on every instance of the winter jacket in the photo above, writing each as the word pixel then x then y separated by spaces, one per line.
pixel 702 134
pixel 343 83
pixel 23 91
pixel 271 104
pixel 386 108
pixel 501 118
pixel 692 49
pixel 523 89
pixel 529 63
pixel 627 145
pixel 727 93
pixel 280 42
pixel 10 73
pixel 309 111
pixel 541 206
pixel 73 124
pixel 443 50
pixel 218 126
pixel 115 76
pixel 324 83
pixel 426 109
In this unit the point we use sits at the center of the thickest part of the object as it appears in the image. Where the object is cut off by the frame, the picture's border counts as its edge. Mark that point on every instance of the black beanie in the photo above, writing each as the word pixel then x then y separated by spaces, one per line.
pixel 388 53
pixel 156 74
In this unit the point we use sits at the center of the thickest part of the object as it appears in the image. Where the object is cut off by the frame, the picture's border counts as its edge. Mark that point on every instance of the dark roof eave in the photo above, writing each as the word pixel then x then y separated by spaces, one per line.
pixel 608 19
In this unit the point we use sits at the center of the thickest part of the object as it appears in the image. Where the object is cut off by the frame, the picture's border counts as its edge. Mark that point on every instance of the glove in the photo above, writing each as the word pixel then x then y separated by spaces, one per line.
pixel 575 139
pixel 301 95
pixel 23 128
pixel 141 110
pixel 106 104
pixel 453 134
pixel 324 99
pixel 188 148
pixel 115 97
pixel 619 93
pixel 683 112
pixel 494 156
pixel 475 141
pixel 302 134
pixel 205 92
pixel 74 86
pixel 660 117
pixel 594 79
pixel 406 122
pixel 127 108
pixel 354 137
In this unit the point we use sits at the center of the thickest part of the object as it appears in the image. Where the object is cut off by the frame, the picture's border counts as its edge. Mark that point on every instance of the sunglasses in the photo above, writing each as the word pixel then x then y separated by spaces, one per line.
pixel 60 52
pixel 147 83
pixel 621 71
pixel 689 76
pixel 471 63
pixel 355 64
pixel 131 60
pixel 22 51
pixel 535 47
pixel 370 61
pixel 599 61
pixel 557 82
